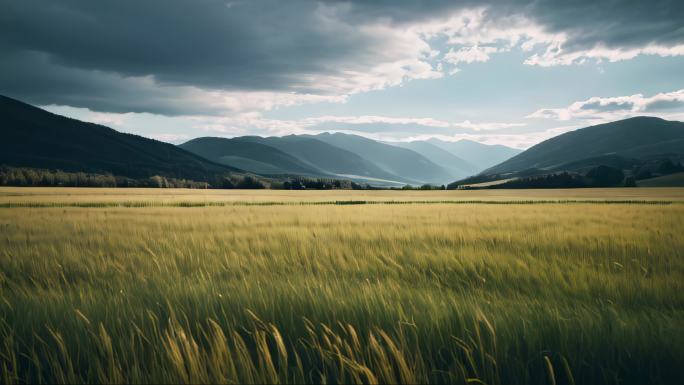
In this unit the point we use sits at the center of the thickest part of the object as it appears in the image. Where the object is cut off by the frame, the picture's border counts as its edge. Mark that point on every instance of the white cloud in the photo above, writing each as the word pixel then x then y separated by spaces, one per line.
pixel 473 27
pixel 555 54
pixel 254 123
pixel 425 122
pixel 171 138
pixel 242 101
pixel 368 119
pixel 485 126
pixel 246 124
pixel 469 54
pixel 474 35
pixel 106 118
pixel 668 104
pixel 390 55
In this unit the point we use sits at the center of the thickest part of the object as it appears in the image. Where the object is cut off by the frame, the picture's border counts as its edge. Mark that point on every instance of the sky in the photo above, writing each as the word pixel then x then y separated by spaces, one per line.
pixel 512 72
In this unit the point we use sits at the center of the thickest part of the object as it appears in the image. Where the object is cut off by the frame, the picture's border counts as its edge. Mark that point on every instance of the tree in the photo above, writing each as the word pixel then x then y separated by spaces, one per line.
pixel 156 181
pixel 605 176
pixel 643 174
pixel 630 182
pixel 668 167
pixel 249 182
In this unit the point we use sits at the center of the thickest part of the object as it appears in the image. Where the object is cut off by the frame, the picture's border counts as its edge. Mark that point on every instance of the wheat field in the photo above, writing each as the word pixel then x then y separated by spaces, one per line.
pixel 553 287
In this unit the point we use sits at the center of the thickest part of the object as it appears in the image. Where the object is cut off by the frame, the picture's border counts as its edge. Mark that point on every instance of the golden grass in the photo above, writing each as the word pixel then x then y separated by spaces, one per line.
pixel 76 194
pixel 420 293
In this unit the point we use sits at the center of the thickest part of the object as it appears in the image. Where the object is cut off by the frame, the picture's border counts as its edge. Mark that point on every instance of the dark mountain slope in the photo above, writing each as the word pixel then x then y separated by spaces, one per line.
pixel 32 137
pixel 251 156
pixel 639 137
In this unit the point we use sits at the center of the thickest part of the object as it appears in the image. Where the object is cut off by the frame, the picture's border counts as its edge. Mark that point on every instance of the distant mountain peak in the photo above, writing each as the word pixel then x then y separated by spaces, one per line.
pixel 481 155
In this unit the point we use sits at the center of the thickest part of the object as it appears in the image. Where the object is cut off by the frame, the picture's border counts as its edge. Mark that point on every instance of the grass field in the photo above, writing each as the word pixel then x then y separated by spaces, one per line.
pixel 438 290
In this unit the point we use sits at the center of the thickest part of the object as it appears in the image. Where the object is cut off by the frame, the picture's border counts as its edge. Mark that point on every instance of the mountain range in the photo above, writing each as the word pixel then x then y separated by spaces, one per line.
pixel 454 165
pixel 640 147
pixel 338 155
pixel 480 155
pixel 332 160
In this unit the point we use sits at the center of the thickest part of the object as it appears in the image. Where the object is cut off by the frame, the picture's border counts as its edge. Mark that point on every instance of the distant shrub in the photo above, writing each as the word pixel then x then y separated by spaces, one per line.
pixel 250 182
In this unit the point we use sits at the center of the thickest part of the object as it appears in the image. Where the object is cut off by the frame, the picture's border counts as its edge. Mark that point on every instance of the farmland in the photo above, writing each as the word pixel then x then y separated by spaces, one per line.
pixel 199 286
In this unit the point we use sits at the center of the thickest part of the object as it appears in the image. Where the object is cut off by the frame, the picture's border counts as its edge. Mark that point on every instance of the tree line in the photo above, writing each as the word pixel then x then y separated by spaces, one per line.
pixel 33 177
pixel 598 176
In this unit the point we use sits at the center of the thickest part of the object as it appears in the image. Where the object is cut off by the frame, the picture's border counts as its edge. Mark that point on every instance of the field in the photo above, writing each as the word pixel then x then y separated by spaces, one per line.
pixel 494 287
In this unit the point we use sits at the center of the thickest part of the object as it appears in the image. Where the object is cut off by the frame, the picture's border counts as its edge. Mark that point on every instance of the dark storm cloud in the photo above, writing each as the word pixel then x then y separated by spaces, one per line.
pixel 97 54
pixel 615 23
pixel 253 44
pixel 34 78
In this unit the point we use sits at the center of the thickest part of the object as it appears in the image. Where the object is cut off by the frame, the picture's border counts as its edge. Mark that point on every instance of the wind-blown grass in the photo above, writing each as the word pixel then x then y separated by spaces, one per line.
pixel 501 294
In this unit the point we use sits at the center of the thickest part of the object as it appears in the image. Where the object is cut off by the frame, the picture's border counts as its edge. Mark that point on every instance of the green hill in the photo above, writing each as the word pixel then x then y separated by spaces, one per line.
pixel 639 137
pixel 251 156
pixel 32 137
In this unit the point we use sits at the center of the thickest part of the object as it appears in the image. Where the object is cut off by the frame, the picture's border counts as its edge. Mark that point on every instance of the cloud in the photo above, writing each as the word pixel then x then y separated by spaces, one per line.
pixel 664 102
pixel 366 119
pixel 469 54
pixel 37 80
pixel 106 119
pixel 254 123
pixel 565 35
pixel 668 104
pixel 177 57
pixel 368 123
pixel 170 138
pixel 486 126
pixel 269 53
pixel 555 54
